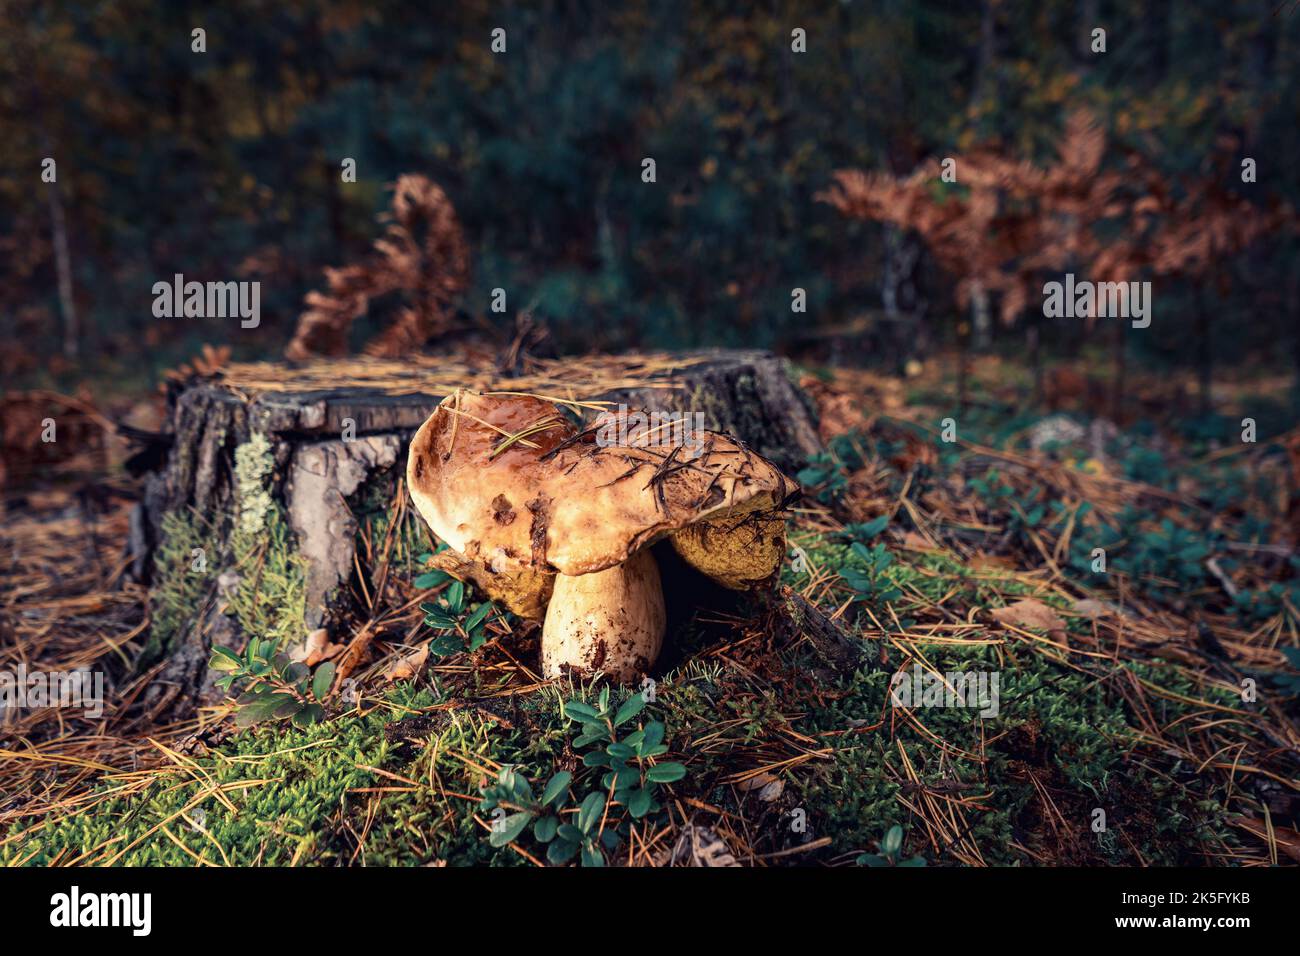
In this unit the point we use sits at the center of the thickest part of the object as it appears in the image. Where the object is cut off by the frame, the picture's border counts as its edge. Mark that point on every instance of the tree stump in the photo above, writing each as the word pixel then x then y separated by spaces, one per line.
pixel 283 453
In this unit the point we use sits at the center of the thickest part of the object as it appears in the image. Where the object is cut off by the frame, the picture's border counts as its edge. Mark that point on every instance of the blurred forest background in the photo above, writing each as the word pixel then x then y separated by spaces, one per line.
pixel 226 165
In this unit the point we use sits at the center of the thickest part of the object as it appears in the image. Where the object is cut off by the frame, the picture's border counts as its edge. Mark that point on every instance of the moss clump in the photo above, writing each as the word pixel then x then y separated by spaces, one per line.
pixel 1064 743
pixel 181 582
pixel 299 797
pixel 1059 735
pixel 271 599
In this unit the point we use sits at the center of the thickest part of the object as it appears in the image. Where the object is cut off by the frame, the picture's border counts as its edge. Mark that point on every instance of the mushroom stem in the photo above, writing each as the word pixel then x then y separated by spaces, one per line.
pixel 610 621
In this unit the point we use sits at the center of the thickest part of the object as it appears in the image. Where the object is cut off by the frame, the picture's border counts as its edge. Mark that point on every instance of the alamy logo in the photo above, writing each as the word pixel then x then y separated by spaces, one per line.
pixel 208 300
pixel 1103 300
pixel 925 688
pixel 24 689
pixel 75 909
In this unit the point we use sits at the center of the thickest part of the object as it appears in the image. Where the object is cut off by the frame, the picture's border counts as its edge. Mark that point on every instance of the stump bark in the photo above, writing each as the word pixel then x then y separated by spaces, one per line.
pixel 335 429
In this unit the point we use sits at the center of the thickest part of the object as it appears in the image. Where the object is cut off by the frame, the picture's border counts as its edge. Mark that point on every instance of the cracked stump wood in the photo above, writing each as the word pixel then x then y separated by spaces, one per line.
pixel 336 428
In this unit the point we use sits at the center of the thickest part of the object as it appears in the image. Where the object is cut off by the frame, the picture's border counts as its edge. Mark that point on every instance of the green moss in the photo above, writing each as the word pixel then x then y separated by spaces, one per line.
pixel 1064 743
pixel 181 580
pixel 271 599
pixel 1056 730
pixel 299 796
pixel 1060 731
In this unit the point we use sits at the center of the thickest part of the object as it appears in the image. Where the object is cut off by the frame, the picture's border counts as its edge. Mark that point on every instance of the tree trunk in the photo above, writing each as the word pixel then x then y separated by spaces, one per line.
pixel 981 318
pixel 1204 352
pixel 899 296
pixel 1118 386
pixel 336 434
pixel 1033 332
pixel 63 268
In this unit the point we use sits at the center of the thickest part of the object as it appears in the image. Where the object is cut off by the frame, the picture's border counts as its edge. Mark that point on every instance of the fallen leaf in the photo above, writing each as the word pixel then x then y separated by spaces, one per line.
pixel 769 787
pixel 1091 607
pixel 914 541
pixel 1031 613
pixel 315 648
pixel 407 666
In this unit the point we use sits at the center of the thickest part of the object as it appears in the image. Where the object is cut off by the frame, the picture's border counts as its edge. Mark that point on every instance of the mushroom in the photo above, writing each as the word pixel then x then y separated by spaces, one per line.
pixel 558 525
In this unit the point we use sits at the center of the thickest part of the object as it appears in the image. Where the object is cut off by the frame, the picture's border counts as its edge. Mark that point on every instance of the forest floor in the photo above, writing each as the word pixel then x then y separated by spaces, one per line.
pixel 1142 714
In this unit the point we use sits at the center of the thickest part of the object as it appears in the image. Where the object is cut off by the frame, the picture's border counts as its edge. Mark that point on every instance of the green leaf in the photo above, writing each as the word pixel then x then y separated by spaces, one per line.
pixel 511 827
pixel 477 618
pixel 589 813
pixel 224 659
pixel 665 772
pixel 295 672
pixel 633 706
pixel 561 852
pixel 567 831
pixel 580 711
pixel 323 680
pixel 654 733
pixel 309 715
pixel 523 791
pixel 591 856
pixel 893 841
pixel 260 709
pixel 440 620
pixel 556 787
pixel 247 716
pixel 623 776
pixel 456 597
pixel 544 829
pixel 430 579
pixel 638 803
pixel 289 706
pixel 446 645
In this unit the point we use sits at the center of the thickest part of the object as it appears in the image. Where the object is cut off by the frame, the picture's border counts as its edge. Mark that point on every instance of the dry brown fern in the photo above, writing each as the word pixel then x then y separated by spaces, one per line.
pixel 1011 221
pixel 422 254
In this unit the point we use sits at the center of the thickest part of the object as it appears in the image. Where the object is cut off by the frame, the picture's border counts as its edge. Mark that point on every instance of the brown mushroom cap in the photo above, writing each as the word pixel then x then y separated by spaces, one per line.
pixel 519 493
pixel 474 494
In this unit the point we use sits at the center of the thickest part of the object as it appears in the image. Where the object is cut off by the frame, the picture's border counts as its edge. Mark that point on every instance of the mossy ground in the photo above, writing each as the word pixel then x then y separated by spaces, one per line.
pixel 347 792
